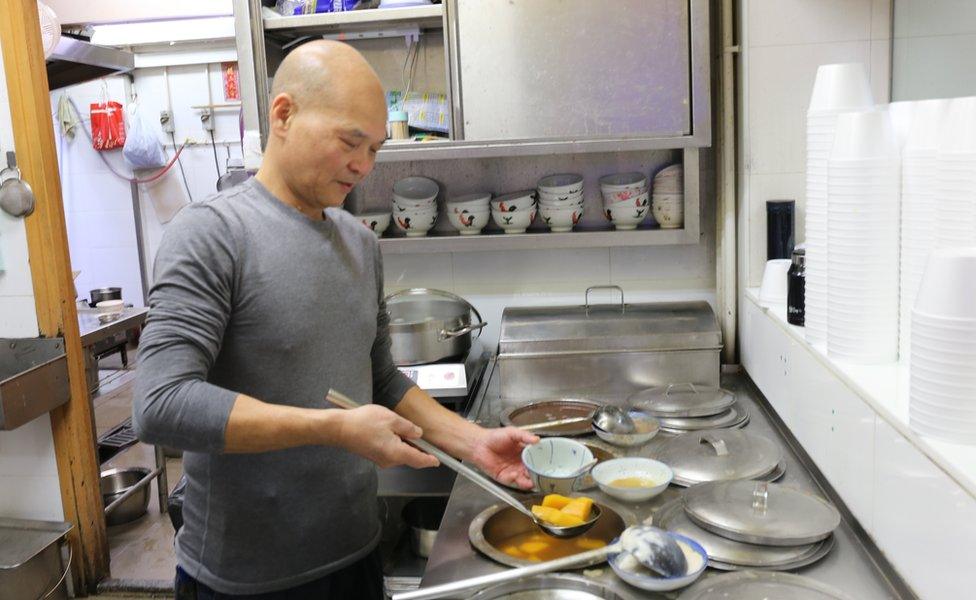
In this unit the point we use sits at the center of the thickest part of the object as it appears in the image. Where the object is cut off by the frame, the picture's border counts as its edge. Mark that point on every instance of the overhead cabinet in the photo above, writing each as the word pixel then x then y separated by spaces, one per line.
pixel 520 76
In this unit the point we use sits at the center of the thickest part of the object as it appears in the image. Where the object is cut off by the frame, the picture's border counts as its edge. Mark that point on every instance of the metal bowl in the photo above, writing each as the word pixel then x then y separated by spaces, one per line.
pixel 647 425
pixel 423 516
pixel 116 482
pixel 496 524
pixel 549 587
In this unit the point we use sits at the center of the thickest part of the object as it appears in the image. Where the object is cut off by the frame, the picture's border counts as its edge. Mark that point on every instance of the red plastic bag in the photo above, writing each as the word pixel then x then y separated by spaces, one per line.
pixel 108 125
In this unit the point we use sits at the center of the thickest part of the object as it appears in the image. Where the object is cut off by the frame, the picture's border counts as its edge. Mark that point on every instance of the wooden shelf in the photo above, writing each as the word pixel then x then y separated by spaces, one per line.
pixel 535 240
pixel 358 20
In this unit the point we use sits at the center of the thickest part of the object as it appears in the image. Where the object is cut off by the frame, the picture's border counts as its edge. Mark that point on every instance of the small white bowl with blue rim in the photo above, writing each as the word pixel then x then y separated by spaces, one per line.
pixel 645 580
pixel 554 464
pixel 609 471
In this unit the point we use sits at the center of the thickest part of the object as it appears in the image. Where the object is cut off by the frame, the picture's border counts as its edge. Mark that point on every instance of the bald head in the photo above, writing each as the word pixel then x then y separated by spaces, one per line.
pixel 326 74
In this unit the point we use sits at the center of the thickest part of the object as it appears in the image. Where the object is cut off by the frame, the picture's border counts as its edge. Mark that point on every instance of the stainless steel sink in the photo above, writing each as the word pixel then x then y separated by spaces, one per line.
pixel 33 379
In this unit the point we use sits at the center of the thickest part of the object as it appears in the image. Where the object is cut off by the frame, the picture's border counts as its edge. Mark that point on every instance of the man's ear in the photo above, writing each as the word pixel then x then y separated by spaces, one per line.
pixel 283 108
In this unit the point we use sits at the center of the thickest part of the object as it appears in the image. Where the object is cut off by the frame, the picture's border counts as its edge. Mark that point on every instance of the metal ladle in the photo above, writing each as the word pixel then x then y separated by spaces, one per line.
pixel 343 401
pixel 652 547
pixel 613 419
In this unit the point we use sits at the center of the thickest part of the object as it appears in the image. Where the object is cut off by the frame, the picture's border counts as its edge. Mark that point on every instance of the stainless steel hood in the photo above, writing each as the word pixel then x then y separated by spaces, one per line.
pixel 76 61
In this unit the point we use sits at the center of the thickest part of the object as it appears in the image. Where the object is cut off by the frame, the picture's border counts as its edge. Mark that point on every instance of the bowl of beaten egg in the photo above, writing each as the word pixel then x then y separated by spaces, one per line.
pixel 632 479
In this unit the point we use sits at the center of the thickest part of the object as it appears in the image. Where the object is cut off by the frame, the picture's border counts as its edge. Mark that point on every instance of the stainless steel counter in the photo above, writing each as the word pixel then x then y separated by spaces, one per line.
pixel 854 565
pixel 93 332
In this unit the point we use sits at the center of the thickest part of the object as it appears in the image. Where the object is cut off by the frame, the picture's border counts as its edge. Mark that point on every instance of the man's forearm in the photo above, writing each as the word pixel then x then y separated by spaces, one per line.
pixel 442 427
pixel 256 426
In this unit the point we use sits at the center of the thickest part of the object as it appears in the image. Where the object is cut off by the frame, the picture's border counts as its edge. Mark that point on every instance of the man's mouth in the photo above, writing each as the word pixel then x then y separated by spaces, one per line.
pixel 345 186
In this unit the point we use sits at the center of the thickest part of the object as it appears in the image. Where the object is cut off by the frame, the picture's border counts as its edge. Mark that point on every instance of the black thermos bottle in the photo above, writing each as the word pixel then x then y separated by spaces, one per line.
pixel 796 287
pixel 780 221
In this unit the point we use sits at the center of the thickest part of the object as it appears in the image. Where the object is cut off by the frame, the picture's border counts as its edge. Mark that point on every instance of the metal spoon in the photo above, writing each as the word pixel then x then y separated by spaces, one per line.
pixel 613 419
pixel 481 481
pixel 652 547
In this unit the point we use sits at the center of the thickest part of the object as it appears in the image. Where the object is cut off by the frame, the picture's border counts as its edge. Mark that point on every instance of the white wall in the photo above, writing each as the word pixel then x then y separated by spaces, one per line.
pixel 98 205
pixel 782 44
pixel 28 471
pixel 933 49
pixel 113 11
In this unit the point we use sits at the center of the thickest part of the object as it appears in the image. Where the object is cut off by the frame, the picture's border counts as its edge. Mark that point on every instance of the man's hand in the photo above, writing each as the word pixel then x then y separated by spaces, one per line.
pixel 498 452
pixel 377 433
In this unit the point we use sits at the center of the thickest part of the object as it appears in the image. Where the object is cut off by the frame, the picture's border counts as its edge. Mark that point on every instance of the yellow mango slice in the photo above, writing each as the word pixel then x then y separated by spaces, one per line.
pixel 513 552
pixel 579 508
pixel 555 517
pixel 555 501
pixel 533 547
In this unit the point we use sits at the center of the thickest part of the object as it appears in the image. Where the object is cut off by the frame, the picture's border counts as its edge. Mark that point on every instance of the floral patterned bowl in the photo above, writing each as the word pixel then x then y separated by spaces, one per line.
pixel 468 222
pixel 625 216
pixel 377 222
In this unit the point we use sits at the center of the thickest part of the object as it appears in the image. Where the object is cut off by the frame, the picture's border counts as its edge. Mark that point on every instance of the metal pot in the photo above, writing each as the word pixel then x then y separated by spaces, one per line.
pixel 423 516
pixel 429 325
pixel 116 483
pixel 102 294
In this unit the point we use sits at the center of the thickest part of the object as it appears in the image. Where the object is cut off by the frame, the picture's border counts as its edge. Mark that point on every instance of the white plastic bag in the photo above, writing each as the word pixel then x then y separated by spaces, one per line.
pixel 142 149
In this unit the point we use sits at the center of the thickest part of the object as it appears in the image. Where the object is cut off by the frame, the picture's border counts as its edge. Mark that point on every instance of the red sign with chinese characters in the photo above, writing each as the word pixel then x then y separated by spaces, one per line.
pixel 232 91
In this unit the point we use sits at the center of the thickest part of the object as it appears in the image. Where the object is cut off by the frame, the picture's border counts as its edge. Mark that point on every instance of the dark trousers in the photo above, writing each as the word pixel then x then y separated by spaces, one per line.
pixel 362 580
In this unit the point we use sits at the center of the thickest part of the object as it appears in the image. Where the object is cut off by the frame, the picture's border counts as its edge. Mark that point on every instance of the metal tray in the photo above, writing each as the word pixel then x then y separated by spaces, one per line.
pixel 733 417
pixel 549 587
pixel 761 584
pixel 552 410
pixel 823 548
pixel 500 522
pixel 726 552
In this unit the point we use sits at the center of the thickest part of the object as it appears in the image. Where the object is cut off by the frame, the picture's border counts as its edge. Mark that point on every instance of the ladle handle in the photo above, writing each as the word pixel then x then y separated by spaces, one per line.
pixel 448 589
pixel 343 401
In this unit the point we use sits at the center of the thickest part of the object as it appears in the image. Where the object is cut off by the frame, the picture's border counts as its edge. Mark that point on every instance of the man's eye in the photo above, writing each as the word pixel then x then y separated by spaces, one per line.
pixel 348 144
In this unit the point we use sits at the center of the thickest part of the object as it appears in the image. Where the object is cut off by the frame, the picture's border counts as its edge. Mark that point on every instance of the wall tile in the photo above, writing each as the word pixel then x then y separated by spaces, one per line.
pixel 880 70
pixel 915 18
pixel 881 13
pixel 515 271
pixel 15 279
pixel 918 508
pixel 780 22
pixel 667 266
pixel 934 67
pixel 780 80
pixel 18 317
pixel 401 271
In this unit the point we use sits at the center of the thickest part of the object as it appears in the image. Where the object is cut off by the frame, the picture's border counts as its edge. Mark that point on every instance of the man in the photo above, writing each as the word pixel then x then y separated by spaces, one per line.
pixel 266 296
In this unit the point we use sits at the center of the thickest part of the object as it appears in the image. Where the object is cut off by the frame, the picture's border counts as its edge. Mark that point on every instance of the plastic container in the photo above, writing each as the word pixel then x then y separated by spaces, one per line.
pixel 399 129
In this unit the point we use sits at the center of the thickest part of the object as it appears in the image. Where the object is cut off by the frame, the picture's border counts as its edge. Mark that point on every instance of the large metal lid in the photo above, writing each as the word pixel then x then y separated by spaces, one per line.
pixel 719 455
pixel 761 513
pixel 672 517
pixel 749 585
pixel 735 416
pixel 552 410
pixel 23 539
pixel 683 400
pixel 616 327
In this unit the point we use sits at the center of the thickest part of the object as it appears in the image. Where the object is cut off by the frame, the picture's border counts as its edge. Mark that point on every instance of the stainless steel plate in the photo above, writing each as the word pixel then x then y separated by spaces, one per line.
pixel 494 525
pixel 549 587
pixel 748 585
pixel 683 400
pixel 760 512
pixel 823 548
pixel 728 552
pixel 734 416
pixel 552 410
pixel 719 455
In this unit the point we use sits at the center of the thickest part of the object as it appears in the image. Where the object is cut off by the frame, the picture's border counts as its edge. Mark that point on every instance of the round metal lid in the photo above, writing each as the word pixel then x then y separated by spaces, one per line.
pixel 758 512
pixel 823 549
pixel 672 517
pixel 735 416
pixel 748 585
pixel 552 410
pixel 683 400
pixel 719 455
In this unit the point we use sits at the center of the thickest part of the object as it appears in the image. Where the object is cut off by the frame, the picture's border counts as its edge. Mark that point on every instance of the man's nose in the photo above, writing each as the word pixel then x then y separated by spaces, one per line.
pixel 361 163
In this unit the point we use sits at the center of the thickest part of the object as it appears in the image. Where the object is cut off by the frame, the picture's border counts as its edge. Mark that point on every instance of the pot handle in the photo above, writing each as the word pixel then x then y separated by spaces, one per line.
pixel 586 296
pixel 442 293
pixel 447 334
pixel 717 444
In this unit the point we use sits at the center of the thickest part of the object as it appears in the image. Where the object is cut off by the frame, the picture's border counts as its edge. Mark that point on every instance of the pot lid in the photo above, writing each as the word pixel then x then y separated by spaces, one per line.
pixel 552 410
pixel 418 308
pixel 672 517
pixel 747 585
pixel 761 513
pixel 719 455
pixel 735 416
pixel 683 400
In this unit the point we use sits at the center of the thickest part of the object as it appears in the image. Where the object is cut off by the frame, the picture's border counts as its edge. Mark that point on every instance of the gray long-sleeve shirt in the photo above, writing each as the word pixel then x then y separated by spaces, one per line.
pixel 252 297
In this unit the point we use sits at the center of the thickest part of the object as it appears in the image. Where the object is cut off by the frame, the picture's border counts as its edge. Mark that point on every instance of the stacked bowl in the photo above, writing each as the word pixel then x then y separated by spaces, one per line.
pixel 469 213
pixel 837 88
pixel 668 197
pixel 561 201
pixel 863 213
pixel 918 206
pixel 956 187
pixel 625 199
pixel 942 380
pixel 415 205
pixel 514 212
pixel 377 222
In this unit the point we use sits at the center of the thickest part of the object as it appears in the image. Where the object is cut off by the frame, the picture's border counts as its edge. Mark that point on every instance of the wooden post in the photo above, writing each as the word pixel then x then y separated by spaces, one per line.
pixel 54 293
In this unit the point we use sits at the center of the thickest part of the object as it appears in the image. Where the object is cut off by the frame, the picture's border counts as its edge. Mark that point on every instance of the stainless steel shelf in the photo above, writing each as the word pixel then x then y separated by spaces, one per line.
pixel 376 18
pixel 536 241
pixel 451 149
